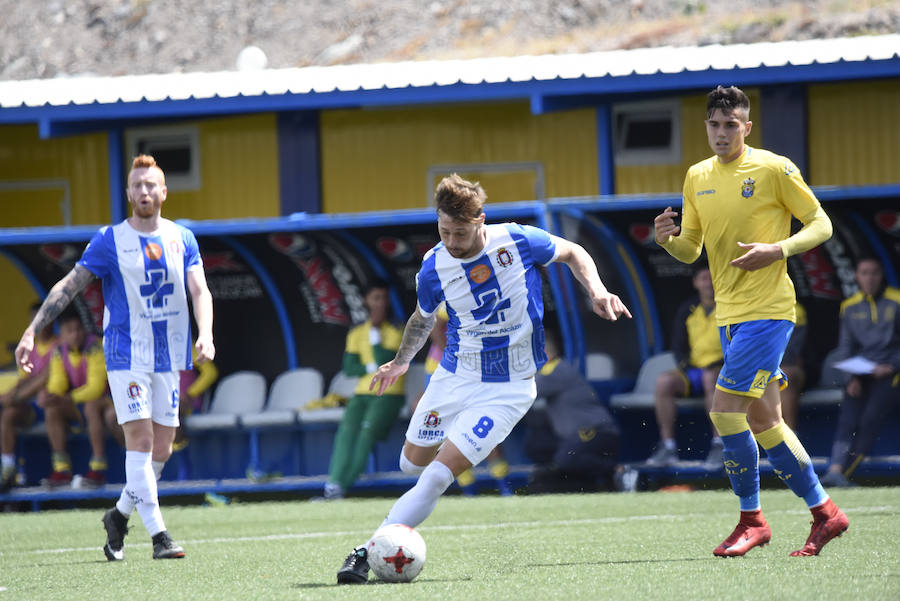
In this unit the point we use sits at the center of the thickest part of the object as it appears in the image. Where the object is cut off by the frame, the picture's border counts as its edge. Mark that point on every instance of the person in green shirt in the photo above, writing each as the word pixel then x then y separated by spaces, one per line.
pixel 367 417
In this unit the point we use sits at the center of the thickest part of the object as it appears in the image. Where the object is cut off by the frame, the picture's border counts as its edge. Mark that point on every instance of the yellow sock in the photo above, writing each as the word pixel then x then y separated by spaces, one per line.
pixel 729 423
pixel 499 469
pixel 98 464
pixel 778 433
pixel 61 462
pixel 467 478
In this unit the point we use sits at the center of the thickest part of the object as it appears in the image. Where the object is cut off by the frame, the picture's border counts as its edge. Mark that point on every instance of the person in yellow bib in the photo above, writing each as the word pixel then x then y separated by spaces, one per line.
pixel 367 417
pixel 77 393
pixel 19 403
pixel 738 205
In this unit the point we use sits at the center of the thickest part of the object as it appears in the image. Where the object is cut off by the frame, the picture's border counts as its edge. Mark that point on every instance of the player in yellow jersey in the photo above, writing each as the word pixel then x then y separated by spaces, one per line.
pixel 738 205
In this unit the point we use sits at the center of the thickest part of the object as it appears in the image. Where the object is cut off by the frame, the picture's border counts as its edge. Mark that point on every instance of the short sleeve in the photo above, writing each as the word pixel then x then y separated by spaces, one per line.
pixel 192 258
pixel 795 194
pixel 428 287
pixel 95 257
pixel 541 244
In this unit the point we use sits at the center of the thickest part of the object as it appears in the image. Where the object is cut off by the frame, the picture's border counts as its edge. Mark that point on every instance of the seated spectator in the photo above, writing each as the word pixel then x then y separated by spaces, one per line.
pixel 77 393
pixel 20 403
pixel 870 328
pixel 575 440
pixel 794 371
pixel 698 352
pixel 367 417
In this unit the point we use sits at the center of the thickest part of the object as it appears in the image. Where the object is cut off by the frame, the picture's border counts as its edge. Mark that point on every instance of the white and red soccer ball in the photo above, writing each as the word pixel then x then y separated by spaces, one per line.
pixel 396 553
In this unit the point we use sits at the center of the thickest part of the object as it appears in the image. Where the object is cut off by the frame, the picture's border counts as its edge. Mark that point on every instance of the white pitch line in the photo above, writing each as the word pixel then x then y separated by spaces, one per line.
pixel 448 527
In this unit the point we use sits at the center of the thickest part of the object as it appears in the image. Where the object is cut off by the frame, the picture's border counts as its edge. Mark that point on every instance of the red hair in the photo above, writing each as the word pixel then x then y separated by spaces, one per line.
pixel 145 161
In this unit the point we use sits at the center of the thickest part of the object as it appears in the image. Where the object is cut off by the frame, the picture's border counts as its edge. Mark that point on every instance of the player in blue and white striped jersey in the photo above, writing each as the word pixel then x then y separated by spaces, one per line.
pixel 487 275
pixel 146 264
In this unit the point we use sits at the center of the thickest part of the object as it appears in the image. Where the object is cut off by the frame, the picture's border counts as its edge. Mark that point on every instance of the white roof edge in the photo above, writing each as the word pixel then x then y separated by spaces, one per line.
pixel 373 76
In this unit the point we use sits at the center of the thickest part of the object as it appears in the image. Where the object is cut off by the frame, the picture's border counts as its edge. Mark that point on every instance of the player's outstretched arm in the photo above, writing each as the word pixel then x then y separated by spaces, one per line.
pixel 203 314
pixel 605 304
pixel 58 299
pixel 415 334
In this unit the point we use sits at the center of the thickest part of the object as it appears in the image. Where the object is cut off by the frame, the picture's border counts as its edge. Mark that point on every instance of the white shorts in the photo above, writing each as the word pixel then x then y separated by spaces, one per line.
pixel 145 395
pixel 475 416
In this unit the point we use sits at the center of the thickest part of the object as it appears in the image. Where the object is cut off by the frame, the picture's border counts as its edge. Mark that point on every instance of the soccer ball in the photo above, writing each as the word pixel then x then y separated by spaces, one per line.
pixel 396 553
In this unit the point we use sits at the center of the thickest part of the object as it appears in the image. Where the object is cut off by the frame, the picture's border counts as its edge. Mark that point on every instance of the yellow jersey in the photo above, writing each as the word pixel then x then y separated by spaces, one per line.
pixel 750 199
pixel 367 349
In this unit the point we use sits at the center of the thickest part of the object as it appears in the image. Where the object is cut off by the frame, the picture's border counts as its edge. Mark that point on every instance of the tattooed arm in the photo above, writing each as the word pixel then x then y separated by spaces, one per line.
pixel 59 298
pixel 416 333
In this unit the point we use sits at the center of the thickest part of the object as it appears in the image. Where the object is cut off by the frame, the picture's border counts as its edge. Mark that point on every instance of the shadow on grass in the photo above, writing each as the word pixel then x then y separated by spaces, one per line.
pixel 619 562
pixel 311 585
pixel 64 563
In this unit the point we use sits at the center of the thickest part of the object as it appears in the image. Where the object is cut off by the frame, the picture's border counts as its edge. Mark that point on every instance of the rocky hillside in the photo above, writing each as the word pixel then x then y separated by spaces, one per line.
pixel 52 38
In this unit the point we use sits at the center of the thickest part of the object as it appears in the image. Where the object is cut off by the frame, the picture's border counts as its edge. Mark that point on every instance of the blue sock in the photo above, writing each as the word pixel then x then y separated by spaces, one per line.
pixel 741 457
pixel 792 464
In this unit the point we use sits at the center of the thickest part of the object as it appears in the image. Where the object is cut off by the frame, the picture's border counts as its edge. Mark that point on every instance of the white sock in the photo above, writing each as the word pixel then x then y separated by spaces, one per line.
pixel 419 501
pixel 125 505
pixel 7 461
pixel 669 444
pixel 140 491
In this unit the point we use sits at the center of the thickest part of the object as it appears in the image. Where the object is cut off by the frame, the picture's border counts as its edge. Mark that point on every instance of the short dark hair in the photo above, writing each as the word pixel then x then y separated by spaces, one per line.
pixel 459 199
pixel 70 314
pixel 727 100
pixel 376 284
pixel 699 265
pixel 869 257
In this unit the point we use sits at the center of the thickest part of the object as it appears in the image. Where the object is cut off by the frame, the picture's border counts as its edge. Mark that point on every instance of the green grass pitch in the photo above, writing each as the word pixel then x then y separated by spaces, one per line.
pixel 603 546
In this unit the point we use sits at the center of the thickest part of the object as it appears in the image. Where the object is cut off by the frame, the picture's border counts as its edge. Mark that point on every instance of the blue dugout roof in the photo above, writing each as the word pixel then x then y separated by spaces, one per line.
pixel 549 82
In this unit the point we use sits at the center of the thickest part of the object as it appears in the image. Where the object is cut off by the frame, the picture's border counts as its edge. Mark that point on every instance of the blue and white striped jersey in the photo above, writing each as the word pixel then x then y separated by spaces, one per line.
pixel 146 322
pixel 494 303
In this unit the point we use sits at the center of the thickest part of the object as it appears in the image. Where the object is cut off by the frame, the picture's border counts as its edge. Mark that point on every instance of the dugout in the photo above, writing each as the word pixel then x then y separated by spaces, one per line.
pixel 259 163
pixel 263 144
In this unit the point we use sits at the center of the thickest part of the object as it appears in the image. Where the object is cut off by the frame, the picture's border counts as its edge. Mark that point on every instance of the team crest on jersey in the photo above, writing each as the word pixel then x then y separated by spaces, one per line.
pixel 153 251
pixel 480 273
pixel 504 257
pixel 432 420
pixel 747 188
pixel 134 391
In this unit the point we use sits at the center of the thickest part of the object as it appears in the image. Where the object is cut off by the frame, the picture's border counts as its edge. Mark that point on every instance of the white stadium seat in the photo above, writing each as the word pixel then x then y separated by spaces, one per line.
pixel 239 393
pixel 599 366
pixel 289 393
pixel 642 395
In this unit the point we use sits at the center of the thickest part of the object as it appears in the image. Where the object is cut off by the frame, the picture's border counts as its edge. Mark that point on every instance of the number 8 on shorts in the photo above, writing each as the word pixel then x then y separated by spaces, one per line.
pixel 483 426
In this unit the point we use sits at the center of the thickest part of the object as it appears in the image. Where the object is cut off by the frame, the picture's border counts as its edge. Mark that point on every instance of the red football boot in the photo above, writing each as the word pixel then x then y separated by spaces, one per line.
pixel 57 479
pixel 752 531
pixel 828 522
pixel 93 479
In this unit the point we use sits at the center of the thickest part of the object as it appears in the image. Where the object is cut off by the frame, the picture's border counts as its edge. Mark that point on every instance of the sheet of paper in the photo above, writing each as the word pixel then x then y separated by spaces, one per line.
pixel 856 365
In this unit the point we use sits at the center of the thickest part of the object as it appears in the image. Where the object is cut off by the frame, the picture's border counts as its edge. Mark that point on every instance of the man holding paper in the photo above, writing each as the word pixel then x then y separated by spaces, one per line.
pixel 869 351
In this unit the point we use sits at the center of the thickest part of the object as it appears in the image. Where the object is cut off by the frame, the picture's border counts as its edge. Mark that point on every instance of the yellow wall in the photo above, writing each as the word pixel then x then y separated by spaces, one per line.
pixel 637 179
pixel 379 159
pixel 238 161
pixel 239 171
pixel 854 133
pixel 14 307
pixel 80 160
